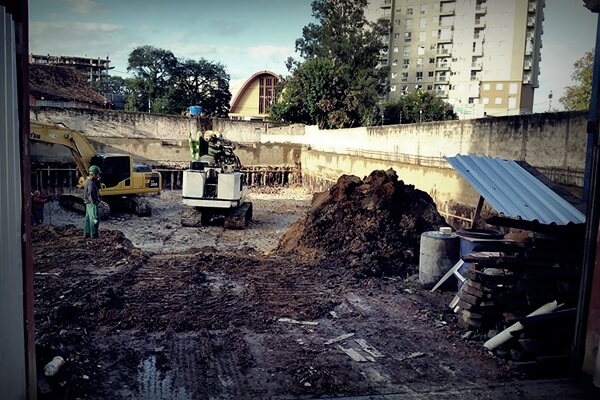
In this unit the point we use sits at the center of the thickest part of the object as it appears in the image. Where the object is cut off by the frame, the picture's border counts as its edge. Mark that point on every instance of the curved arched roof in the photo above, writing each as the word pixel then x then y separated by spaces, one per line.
pixel 240 94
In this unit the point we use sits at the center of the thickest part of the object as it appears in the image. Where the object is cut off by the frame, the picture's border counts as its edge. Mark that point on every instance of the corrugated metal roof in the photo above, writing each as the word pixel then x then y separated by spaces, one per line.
pixel 514 192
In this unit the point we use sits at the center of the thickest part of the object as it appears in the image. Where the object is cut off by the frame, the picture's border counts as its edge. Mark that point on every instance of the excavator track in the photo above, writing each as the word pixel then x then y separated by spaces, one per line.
pixel 240 217
pixel 75 203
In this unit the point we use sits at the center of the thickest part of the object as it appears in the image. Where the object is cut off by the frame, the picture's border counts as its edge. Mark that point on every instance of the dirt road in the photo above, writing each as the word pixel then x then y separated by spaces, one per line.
pixel 153 310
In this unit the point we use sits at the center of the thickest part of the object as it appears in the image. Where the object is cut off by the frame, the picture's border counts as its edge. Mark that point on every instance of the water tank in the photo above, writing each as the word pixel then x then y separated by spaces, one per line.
pixel 439 251
pixel 195 110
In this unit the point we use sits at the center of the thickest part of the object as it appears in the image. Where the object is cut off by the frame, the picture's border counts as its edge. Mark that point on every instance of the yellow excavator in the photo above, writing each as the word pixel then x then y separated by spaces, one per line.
pixel 123 183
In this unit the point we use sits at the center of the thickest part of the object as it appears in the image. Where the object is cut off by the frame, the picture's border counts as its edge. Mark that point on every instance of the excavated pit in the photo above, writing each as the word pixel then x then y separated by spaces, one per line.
pixel 153 310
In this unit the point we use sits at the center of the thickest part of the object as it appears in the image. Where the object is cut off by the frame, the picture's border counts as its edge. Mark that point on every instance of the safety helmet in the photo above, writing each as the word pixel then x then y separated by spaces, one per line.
pixel 209 135
pixel 94 170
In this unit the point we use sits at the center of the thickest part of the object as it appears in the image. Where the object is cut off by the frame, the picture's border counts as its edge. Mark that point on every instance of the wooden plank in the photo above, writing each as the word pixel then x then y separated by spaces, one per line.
pixel 452 271
pixel 339 338
pixel 469 298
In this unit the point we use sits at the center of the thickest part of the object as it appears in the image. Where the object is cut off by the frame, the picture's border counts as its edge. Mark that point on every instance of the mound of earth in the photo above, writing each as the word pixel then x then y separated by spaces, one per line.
pixel 371 226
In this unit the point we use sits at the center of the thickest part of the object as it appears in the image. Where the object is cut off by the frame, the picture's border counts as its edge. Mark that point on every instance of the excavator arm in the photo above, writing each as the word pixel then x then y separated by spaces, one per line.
pixel 81 149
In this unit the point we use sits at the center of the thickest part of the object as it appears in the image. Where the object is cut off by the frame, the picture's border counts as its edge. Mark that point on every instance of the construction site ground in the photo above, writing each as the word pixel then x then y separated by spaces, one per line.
pixel 154 310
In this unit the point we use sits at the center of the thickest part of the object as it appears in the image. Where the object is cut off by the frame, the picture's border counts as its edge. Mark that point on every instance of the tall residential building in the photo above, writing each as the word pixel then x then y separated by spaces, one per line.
pixel 480 56
pixel 93 69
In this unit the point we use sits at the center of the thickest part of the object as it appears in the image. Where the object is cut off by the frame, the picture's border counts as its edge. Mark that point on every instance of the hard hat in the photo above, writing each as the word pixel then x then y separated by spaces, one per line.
pixel 209 135
pixel 94 170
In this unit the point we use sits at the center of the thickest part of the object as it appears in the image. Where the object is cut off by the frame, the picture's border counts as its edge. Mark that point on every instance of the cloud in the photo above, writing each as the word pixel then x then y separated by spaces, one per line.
pixel 269 51
pixel 82 6
pixel 41 28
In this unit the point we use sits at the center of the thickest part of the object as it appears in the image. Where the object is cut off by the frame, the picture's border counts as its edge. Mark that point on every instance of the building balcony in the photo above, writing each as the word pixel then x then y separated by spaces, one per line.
pixel 480 9
pixel 441 78
pixel 476 65
pixel 386 4
pixel 532 7
pixel 441 93
pixel 442 66
pixel 530 21
pixel 446 12
pixel 480 23
pixel 445 39
pixel 443 52
pixel 475 78
pixel 527 65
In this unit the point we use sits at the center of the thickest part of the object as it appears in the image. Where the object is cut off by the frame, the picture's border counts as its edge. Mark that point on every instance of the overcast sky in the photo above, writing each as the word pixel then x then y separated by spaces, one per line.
pixel 248 36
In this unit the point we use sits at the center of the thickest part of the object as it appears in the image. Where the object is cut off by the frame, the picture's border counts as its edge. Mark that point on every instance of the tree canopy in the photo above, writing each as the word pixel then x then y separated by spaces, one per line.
pixel 339 83
pixel 577 97
pixel 162 83
pixel 421 106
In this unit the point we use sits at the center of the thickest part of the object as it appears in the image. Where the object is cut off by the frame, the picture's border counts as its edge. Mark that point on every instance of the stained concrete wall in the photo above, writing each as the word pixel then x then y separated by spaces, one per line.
pixel 552 142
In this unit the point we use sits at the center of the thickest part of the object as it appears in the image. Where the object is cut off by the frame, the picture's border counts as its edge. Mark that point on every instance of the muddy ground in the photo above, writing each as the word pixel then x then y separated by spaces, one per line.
pixel 153 310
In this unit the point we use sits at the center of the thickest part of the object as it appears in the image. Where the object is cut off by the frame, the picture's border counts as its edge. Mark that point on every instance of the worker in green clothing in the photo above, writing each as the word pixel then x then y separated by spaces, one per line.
pixel 91 198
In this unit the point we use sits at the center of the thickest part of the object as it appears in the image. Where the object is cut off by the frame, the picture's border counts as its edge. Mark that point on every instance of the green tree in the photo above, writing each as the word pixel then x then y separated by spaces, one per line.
pixel 339 84
pixel 201 83
pixel 421 106
pixel 152 67
pixel 110 84
pixel 577 97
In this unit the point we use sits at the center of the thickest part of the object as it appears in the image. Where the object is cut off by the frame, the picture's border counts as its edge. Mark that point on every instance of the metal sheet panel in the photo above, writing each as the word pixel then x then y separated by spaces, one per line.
pixel 12 338
pixel 513 192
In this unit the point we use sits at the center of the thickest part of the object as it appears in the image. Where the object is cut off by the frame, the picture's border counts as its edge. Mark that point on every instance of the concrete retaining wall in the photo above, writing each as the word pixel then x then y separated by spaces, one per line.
pixel 554 143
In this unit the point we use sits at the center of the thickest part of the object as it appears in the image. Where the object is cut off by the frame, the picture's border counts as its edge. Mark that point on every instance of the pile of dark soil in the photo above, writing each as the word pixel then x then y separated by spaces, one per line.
pixel 371 227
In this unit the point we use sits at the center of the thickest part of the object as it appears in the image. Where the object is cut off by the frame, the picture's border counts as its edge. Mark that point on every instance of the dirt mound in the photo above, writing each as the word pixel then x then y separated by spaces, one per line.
pixel 371 226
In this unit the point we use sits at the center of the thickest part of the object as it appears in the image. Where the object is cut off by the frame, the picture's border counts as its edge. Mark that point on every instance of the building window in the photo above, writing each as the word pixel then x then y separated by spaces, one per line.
pixel 405 77
pixel 407 36
pixel 513 88
pixel 512 103
pixel 409 11
pixel 486 86
pixel 405 64
pixel 393 88
pixel 396 36
pixel 429 87
pixel 499 86
pixel 485 100
pixel 422 36
pixel 422 23
pixel 266 94
pixel 394 75
pixel 397 22
pixel 498 100
pixel 395 62
pixel 432 61
pixel 421 50
pixel 419 63
pixel 396 49
pixel 406 51
pixel 404 88
pixel 398 10
pixel 419 76
pixel 424 8
pixel 409 23
pixel 430 74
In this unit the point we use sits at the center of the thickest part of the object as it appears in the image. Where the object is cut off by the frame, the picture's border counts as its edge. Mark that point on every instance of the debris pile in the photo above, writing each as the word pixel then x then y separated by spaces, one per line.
pixel 372 227
pixel 504 287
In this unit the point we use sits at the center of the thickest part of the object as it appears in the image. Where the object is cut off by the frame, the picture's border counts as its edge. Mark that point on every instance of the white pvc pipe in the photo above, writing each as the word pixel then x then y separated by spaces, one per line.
pixel 505 334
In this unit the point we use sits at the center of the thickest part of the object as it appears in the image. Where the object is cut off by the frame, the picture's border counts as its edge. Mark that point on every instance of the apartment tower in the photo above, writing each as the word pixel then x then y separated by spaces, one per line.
pixel 480 56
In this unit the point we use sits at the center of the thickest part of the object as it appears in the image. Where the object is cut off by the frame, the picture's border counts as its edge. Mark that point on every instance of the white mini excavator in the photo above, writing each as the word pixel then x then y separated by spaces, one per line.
pixel 213 188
